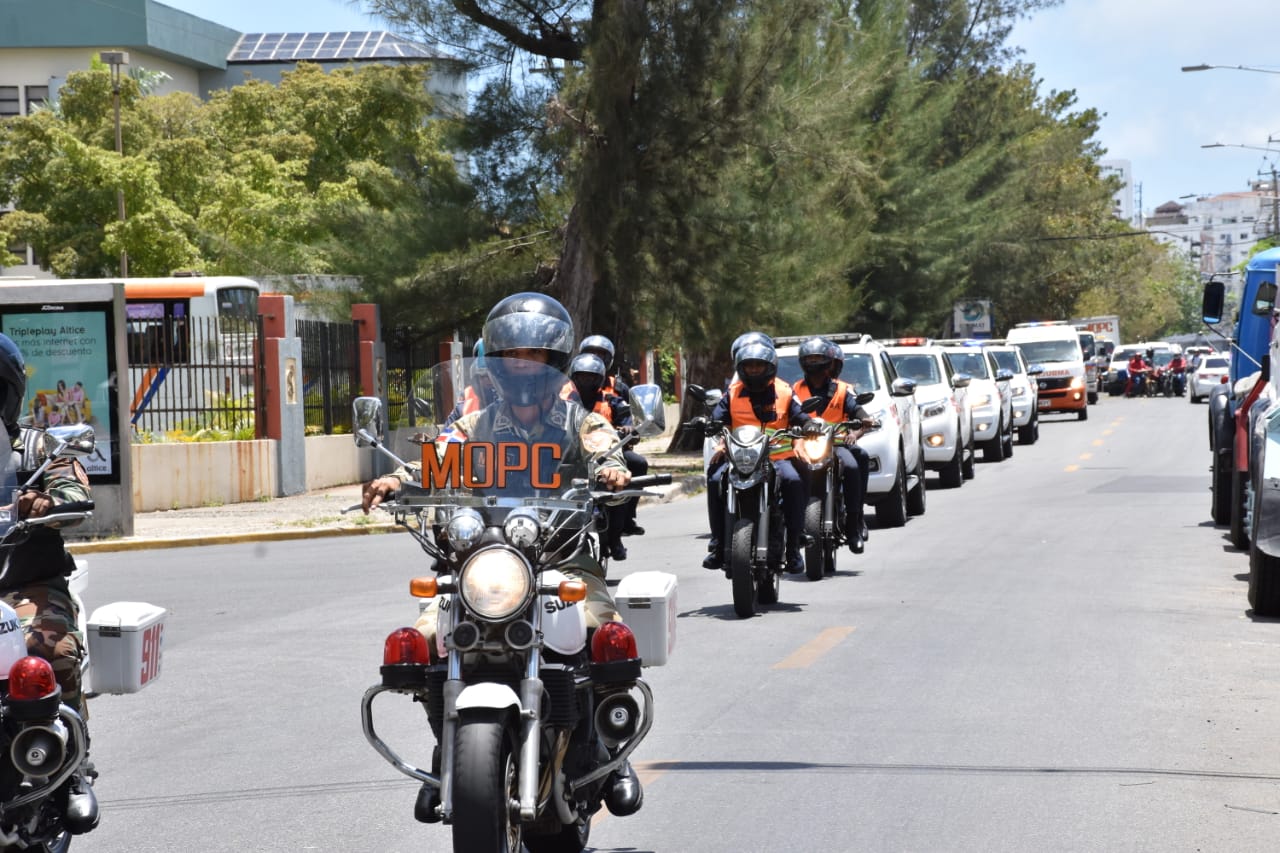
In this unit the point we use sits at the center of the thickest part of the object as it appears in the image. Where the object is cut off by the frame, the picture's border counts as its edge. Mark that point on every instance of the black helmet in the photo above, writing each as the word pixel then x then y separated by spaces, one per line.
pixel 815 360
pixel 756 352
pixel 13 383
pixel 598 345
pixel 749 338
pixel 587 372
pixel 837 358
pixel 521 322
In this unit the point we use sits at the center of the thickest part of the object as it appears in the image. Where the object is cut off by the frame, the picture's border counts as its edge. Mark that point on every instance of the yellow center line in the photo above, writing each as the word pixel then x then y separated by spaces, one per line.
pixel 1086 455
pixel 1097 442
pixel 1071 468
pixel 814 649
pixel 1107 432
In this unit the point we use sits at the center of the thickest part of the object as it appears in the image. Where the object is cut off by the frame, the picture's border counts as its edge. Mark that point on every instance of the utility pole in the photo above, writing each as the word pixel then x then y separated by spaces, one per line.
pixel 116 59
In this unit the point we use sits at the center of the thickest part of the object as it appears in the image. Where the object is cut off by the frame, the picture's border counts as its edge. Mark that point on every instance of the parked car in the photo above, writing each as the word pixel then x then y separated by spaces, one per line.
pixel 896 486
pixel 1212 372
pixel 1024 391
pixel 942 395
pixel 989 395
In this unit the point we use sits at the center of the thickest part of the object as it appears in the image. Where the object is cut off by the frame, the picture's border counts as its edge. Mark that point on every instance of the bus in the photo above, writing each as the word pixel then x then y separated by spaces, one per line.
pixel 192 347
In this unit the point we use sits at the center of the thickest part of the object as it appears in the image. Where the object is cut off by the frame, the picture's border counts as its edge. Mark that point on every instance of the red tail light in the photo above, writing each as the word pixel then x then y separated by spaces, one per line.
pixel 31 678
pixel 405 645
pixel 613 641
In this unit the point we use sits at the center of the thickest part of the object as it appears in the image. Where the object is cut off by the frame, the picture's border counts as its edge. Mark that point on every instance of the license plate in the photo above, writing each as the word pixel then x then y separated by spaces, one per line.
pixel 1043 403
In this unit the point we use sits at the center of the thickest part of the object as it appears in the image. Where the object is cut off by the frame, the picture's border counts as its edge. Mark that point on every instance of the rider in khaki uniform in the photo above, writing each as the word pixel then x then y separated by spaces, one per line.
pixel 35 580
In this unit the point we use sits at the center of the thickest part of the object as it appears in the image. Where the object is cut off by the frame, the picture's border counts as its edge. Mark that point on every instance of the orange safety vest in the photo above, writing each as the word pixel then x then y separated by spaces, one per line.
pixel 470 400
pixel 834 412
pixel 602 408
pixel 741 413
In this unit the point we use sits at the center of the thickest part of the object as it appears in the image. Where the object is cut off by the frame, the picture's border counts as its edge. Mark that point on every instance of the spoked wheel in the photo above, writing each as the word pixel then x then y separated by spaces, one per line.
pixel 485 783
pixel 744 580
pixel 813 562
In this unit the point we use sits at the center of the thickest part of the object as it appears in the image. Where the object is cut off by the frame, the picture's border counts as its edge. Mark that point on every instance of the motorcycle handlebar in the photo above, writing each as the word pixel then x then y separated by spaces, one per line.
pixel 649 480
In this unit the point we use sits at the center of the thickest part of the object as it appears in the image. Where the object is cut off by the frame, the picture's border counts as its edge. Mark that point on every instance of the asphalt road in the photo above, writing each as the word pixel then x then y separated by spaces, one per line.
pixel 1055 657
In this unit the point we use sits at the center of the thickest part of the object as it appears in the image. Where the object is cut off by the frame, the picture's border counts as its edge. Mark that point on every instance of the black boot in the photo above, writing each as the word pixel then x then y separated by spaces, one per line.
pixel 623 793
pixel 81 813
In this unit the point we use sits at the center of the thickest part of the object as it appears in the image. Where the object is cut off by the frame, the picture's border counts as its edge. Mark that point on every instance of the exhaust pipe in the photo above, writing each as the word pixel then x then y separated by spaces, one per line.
pixel 39 751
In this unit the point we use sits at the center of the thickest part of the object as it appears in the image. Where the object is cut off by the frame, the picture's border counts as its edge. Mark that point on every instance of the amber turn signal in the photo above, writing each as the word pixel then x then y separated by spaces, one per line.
pixel 423 588
pixel 573 591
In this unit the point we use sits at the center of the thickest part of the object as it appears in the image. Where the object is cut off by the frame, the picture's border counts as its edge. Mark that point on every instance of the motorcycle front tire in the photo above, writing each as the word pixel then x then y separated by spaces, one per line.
pixel 741 547
pixel 485 780
pixel 813 562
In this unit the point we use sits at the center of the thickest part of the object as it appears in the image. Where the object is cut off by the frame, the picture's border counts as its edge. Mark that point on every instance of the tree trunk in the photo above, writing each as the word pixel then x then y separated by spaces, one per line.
pixel 708 371
pixel 575 279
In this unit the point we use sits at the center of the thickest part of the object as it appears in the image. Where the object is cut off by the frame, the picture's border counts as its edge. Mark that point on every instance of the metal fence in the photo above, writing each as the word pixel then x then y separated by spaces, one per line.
pixel 408 356
pixel 195 374
pixel 330 375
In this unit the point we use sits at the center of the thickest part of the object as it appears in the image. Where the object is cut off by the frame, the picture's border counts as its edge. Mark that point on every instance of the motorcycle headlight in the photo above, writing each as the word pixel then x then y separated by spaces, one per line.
pixel 745 458
pixel 932 410
pixel 522 527
pixel 495 584
pixel 813 448
pixel 465 529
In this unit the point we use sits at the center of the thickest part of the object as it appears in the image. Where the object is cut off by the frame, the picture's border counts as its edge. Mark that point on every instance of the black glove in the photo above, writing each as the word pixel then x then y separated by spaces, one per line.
pixel 813 427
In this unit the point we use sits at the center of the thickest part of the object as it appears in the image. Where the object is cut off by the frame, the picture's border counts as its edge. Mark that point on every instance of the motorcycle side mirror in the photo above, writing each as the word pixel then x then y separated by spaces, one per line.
pixel 866 397
pixel 813 404
pixel 422 408
pixel 698 393
pixel 366 417
pixel 903 387
pixel 73 440
pixel 961 380
pixel 648 417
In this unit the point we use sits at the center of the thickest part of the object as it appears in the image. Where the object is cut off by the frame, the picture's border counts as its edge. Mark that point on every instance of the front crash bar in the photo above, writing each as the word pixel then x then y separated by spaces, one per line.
pixel 614 763
pixel 366 720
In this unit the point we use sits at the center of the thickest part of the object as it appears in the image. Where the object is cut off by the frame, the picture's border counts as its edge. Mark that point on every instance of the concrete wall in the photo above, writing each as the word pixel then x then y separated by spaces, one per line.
pixel 334 460
pixel 203 473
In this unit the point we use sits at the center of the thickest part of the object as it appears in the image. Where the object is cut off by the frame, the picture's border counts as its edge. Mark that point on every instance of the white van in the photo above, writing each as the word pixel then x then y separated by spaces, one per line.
pixel 1055 345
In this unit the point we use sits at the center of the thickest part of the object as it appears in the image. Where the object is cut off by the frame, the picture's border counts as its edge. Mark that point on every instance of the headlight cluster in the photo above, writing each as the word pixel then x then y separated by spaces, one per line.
pixel 932 410
pixel 465 529
pixel 522 527
pixel 981 400
pixel 745 458
pixel 814 447
pixel 495 583
pixel 1018 392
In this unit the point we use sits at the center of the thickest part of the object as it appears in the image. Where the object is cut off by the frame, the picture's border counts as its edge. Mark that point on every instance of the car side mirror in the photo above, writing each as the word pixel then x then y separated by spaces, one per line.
pixel 961 380
pixel 1004 375
pixel 903 388
pixel 1035 370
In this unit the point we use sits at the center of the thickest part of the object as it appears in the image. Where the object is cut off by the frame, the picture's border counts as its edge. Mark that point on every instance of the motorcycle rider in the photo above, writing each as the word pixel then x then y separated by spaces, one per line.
pixel 759 398
pixel 1177 370
pixel 35 581
pixel 859 452
pixel 528 345
pixel 588 374
pixel 815 356
pixel 615 386
pixel 1138 369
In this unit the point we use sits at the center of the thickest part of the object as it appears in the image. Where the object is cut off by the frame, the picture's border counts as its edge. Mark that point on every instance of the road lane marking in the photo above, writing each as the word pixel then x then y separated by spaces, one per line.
pixel 1097 442
pixel 1086 455
pixel 807 654
pixel 1071 468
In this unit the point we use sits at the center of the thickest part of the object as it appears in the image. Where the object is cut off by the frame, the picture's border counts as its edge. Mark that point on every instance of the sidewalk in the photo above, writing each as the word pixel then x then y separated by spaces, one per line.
pixel 320 513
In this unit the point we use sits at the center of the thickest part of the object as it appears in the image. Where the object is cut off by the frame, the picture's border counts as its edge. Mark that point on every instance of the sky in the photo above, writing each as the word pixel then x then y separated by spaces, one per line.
pixel 1122 58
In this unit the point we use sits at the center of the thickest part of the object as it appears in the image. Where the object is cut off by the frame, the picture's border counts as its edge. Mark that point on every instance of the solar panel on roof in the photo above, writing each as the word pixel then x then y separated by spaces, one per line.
pixel 361 44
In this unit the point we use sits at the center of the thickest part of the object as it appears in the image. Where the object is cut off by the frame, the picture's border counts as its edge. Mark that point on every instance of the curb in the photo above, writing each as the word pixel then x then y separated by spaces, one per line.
pixel 135 544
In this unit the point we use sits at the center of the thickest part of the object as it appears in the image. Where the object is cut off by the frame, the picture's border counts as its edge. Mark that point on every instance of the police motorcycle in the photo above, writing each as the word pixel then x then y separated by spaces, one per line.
pixel 754 529
pixel 824 511
pixel 42 741
pixel 530 715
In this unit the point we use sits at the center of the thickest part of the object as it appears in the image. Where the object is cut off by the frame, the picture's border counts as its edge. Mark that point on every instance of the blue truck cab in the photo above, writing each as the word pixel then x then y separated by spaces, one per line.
pixel 1244 429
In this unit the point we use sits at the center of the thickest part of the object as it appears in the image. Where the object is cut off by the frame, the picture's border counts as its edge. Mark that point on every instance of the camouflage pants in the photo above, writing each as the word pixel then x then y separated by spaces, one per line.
pixel 48 615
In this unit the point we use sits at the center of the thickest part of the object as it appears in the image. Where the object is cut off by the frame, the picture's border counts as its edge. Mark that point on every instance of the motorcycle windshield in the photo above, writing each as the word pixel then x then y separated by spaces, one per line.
pixel 510 432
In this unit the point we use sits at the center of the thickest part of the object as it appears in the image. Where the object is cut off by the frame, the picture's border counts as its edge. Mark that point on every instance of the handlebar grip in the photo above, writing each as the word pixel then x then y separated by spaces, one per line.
pixel 74 506
pixel 649 480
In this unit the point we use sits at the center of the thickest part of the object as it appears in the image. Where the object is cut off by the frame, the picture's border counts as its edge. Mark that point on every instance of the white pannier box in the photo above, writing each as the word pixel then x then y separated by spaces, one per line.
pixel 126 639
pixel 647 603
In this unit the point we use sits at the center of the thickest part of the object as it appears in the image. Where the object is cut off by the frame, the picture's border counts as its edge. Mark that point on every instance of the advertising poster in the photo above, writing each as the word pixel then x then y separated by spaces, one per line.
pixel 67 352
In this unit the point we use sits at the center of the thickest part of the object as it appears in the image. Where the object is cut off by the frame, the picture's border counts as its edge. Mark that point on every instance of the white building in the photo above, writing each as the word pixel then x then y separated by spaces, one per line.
pixel 1122 201
pixel 1218 231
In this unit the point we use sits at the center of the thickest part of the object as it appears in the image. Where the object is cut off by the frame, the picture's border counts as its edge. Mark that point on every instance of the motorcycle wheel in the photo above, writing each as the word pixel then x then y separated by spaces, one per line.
pixel 61 844
pixel 485 780
pixel 741 545
pixel 813 563
pixel 570 839
pixel 952 474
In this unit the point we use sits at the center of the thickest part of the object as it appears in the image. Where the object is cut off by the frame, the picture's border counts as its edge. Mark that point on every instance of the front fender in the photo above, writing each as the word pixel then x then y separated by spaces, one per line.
pixel 488 696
